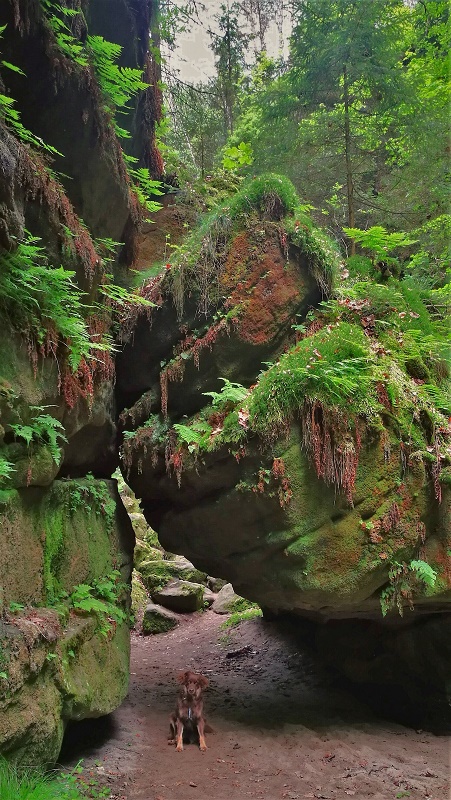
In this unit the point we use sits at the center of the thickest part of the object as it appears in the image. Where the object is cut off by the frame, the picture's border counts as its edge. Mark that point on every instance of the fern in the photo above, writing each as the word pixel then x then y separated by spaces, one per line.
pixel 58 18
pixel 230 393
pixel 196 436
pixel 43 429
pixel 38 297
pixel 424 573
pixel 117 84
pixel 6 469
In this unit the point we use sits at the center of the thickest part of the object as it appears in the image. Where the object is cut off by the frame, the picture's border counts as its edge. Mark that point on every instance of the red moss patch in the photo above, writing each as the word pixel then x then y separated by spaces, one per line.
pixel 263 283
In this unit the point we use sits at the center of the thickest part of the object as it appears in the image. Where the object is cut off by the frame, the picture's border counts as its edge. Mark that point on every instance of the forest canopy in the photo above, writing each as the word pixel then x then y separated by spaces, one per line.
pixel 355 113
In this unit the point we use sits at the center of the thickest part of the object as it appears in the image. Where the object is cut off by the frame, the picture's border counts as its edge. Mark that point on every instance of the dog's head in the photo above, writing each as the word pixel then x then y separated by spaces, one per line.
pixel 192 684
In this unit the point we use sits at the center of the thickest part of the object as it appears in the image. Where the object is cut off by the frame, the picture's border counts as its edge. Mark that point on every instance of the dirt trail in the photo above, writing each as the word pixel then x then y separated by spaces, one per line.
pixel 282 729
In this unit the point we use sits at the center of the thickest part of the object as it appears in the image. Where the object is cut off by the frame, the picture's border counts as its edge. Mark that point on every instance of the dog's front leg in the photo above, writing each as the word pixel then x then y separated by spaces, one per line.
pixel 200 730
pixel 179 735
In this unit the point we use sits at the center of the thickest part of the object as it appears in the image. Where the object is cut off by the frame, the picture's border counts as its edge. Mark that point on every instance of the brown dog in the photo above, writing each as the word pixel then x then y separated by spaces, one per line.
pixel 188 716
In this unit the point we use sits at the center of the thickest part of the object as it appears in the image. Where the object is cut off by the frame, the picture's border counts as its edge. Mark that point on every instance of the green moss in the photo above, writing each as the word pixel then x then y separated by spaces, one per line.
pixel 54 532
pixel 445 476
pixel 139 594
pixel 251 612
pixel 196 264
pixel 154 622
pixel 157 574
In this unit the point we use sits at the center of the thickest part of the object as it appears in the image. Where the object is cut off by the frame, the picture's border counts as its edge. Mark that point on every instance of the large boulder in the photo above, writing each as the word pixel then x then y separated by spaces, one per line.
pixel 77 539
pixel 157 619
pixel 181 596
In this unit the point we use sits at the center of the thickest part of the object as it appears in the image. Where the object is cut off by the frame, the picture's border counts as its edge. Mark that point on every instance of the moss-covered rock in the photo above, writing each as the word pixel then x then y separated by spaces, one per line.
pixel 181 596
pixel 73 533
pixel 157 619
pixel 227 601
pixel 157 573
pixel 139 596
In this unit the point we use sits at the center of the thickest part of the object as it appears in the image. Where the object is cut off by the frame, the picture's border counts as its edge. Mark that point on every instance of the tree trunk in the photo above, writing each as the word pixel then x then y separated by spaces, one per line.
pixel 349 181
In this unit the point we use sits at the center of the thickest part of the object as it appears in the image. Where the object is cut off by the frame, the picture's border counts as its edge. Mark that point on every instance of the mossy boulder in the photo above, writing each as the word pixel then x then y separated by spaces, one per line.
pixel 227 601
pixel 139 596
pixel 181 596
pixel 157 619
pixel 144 552
pixel 157 573
pixel 53 676
pixel 73 533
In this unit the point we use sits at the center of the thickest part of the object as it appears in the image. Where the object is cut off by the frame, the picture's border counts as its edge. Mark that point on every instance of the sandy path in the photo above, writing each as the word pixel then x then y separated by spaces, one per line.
pixel 282 730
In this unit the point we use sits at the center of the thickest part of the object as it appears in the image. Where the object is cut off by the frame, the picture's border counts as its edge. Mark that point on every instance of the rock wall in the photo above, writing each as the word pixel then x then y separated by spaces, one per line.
pixel 66 541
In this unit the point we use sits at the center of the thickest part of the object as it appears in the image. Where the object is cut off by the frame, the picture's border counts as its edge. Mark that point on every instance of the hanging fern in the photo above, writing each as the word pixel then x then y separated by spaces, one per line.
pixel 39 299
pixel 11 117
pixel 58 19
pixel 117 84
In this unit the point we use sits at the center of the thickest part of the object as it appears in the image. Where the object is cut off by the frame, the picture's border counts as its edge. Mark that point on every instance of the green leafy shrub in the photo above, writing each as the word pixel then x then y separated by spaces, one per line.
pixel 6 470
pixel 405 579
pixel 58 19
pixel 379 241
pixel 117 84
pixel 231 393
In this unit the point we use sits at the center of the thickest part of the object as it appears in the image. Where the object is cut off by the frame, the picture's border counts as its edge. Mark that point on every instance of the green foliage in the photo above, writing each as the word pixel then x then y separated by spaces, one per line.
pixel 332 366
pixel 101 599
pixel 237 617
pixel 82 784
pixel 6 470
pixel 196 435
pixel 39 298
pixel 235 157
pixel 117 84
pixel 231 393
pixel 42 429
pixel 378 240
pixel 88 492
pixel 144 186
pixel 424 573
pixel 31 784
pixel 269 194
pixel 405 579
pixel 59 18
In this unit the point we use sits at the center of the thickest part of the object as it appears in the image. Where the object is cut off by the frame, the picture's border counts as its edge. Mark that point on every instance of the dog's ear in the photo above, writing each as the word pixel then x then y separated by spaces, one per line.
pixel 202 681
pixel 183 677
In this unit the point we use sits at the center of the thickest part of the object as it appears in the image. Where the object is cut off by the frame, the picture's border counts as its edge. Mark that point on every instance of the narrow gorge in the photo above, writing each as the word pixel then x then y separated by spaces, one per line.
pixel 278 417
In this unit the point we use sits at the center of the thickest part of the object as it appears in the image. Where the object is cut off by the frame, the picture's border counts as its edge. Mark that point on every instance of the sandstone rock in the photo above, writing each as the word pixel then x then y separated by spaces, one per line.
pixel 140 524
pixel 56 674
pixel 139 597
pixel 181 596
pixel 158 619
pixel 144 552
pixel 215 584
pixel 156 573
pixel 226 600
